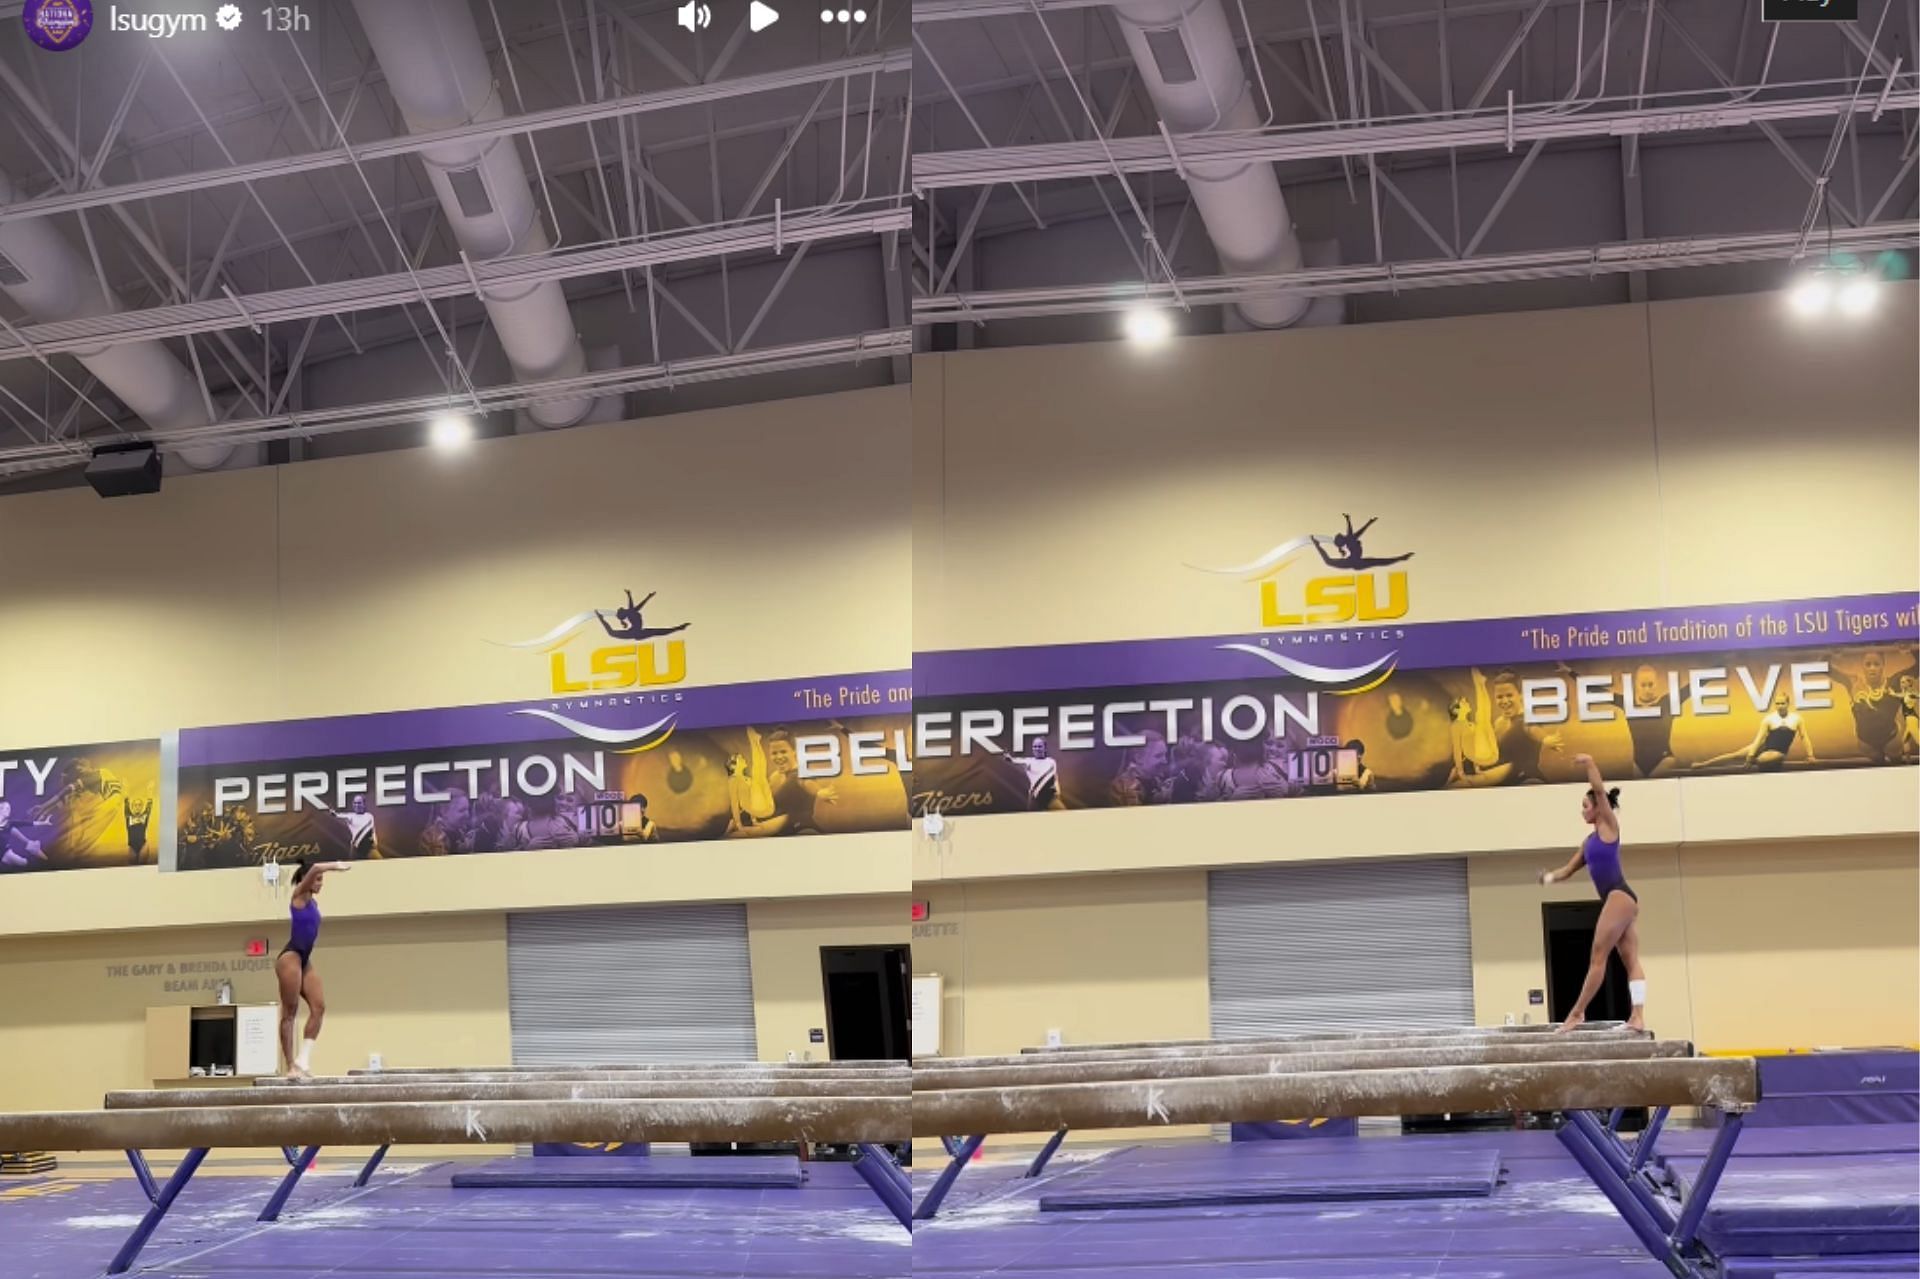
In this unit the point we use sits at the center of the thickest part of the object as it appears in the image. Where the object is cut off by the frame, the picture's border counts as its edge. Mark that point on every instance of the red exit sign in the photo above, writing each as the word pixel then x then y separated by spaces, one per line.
pixel 256 947
pixel 920 912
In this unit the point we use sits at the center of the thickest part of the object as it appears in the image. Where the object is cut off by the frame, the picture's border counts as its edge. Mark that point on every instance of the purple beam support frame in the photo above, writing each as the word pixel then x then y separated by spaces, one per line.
pixel 951 1145
pixel 884 1178
pixel 937 1193
pixel 1607 1146
pixel 1613 1120
pixel 161 1202
pixel 1651 1236
pixel 366 1173
pixel 144 1175
pixel 290 1153
pixel 272 1211
pixel 1643 1148
pixel 1696 1206
pixel 1039 1164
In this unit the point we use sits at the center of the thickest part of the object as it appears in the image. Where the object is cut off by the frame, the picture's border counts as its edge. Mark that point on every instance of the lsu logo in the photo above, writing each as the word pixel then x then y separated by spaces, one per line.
pixel 1337 600
pixel 642 656
pixel 1361 588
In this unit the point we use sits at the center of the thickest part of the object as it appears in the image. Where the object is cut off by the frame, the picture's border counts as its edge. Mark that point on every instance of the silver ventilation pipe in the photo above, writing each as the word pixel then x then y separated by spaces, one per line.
pixel 437 72
pixel 52 281
pixel 1191 66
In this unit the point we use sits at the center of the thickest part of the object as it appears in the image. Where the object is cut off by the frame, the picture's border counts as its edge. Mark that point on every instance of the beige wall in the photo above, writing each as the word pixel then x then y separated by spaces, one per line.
pixel 1707 451
pixel 393 580
pixel 1759 947
pixel 1566 461
pixel 1097 957
pixel 420 992
pixel 784 940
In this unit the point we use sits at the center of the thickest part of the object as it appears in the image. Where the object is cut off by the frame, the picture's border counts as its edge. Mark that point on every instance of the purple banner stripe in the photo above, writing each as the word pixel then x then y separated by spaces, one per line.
pixel 719 706
pixel 1580 637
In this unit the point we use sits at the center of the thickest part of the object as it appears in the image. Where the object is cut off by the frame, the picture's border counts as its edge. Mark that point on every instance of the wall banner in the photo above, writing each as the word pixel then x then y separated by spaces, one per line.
pixel 641 766
pixel 1394 705
pixel 79 807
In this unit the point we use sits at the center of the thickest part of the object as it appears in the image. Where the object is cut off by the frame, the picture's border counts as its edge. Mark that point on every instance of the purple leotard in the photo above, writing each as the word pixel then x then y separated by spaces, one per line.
pixel 1603 863
pixel 306 931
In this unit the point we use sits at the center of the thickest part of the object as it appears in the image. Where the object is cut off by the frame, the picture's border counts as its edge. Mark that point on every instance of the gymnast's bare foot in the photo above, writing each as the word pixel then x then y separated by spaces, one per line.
pixel 1573 1022
pixel 1638 1022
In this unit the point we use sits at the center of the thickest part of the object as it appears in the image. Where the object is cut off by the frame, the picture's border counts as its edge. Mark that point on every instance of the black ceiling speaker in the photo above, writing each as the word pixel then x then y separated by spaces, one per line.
pixel 122 470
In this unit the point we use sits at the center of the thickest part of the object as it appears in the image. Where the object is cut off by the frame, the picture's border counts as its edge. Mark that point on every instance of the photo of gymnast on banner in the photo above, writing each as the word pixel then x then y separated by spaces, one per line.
pixel 649 769
pixel 1394 709
pixel 79 807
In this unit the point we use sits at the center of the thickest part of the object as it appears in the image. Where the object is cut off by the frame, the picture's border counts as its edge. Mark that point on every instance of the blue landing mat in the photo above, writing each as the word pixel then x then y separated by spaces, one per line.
pixel 1816 1206
pixel 1370 1170
pixel 1773 1143
pixel 743 1172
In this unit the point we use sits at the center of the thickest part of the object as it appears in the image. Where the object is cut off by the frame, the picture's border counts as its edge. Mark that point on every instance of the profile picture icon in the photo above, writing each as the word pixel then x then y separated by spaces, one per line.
pixel 57 25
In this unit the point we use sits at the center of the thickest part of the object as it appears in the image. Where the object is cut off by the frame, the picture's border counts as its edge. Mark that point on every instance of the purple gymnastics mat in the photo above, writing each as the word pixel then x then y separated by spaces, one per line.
pixel 1858 1086
pixel 1545 1221
pixel 1363 1170
pixel 1818 1205
pixel 739 1172
pixel 1821 1267
pixel 1773 1143
pixel 413 1225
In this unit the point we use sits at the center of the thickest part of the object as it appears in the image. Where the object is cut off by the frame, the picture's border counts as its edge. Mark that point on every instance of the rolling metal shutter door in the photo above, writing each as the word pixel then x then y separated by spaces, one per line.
pixel 633 984
pixel 1339 946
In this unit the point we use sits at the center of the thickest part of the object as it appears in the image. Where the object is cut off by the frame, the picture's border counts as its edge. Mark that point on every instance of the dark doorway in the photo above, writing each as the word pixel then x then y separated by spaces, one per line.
pixel 1569 940
pixel 866 990
pixel 1568 927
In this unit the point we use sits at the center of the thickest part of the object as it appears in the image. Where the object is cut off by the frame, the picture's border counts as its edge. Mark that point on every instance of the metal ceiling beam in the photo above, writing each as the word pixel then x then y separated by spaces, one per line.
pixel 853 349
pixel 1151 154
pixel 410 144
pixel 399 289
pixel 1394 277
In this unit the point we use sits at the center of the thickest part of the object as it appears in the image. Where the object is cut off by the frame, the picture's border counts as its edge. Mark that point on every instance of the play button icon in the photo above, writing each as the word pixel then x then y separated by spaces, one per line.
pixel 762 16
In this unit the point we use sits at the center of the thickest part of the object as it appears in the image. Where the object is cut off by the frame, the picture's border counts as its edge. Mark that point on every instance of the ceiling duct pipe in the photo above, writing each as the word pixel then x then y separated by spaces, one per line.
pixel 437 71
pixel 51 281
pixel 1187 56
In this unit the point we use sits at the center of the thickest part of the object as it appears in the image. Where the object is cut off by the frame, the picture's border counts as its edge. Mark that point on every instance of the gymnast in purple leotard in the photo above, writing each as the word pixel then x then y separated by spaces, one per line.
pixel 293 967
pixel 1619 904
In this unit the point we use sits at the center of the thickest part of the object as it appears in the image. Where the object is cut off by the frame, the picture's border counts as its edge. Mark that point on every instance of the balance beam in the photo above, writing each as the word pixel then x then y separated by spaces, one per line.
pixel 1725 1083
pixel 1545 1028
pixel 1276 1047
pixel 705 1067
pixel 877 1079
pixel 599 1090
pixel 799 1119
pixel 962 1073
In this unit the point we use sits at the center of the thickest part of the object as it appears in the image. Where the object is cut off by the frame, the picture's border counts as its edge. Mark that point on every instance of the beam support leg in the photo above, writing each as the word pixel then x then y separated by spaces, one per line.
pixel 1594 1164
pixel 937 1193
pixel 272 1211
pixel 1039 1164
pixel 1695 1209
pixel 1607 1146
pixel 144 1175
pixel 884 1178
pixel 1643 1148
pixel 366 1173
pixel 161 1203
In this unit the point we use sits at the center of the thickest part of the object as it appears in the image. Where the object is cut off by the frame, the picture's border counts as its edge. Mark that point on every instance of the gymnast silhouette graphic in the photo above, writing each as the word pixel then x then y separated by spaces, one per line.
pixel 1348 544
pixel 632 627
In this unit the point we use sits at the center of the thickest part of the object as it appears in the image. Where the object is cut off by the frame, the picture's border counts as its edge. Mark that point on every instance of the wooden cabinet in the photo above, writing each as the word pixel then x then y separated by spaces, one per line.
pixel 235 1039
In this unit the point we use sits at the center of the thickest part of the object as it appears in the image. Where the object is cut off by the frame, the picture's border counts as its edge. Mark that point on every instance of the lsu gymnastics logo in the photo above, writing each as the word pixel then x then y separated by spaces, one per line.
pixel 583 666
pixel 57 24
pixel 1361 588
